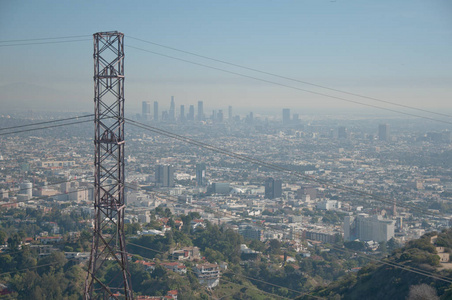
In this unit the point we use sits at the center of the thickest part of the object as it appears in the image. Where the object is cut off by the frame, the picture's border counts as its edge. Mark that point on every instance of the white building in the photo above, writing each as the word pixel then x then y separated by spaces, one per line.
pixel 26 188
pixel 368 228
pixel 329 205
pixel 208 274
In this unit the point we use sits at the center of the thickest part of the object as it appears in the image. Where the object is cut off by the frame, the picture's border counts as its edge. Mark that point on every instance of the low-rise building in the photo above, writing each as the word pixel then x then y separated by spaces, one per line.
pixel 187 253
pixel 208 274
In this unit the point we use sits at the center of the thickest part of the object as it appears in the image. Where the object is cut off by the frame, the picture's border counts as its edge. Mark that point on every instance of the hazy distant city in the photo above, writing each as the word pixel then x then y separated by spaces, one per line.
pixel 207 150
pixel 306 182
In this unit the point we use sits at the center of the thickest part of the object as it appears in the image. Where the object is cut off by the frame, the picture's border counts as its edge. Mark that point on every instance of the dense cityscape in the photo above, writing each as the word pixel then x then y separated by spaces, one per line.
pixel 225 150
pixel 292 189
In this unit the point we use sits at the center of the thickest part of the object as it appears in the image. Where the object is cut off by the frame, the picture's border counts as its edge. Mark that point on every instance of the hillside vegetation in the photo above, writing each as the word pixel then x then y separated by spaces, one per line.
pixel 383 281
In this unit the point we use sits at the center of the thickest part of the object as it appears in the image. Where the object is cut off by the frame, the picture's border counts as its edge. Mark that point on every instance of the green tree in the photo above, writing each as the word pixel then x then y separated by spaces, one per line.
pixel 383 247
pixel 258 245
pixel 3 237
pixel 132 228
pixel 14 242
pixel 7 263
pixel 213 255
pixel 392 244
pixel 355 245
pixel 274 246
pixel 55 261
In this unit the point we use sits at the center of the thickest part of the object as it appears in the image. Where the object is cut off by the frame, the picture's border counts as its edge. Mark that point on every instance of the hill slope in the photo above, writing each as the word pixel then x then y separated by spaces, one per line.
pixel 382 281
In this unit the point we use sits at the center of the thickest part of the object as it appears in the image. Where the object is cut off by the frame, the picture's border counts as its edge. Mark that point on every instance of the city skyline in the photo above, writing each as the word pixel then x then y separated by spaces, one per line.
pixel 283 185
pixel 281 142
pixel 356 51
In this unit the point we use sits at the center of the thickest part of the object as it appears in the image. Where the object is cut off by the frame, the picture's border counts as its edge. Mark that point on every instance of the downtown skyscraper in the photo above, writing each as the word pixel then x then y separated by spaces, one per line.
pixel 172 110
pixel 200 111
pixel 156 111
pixel 286 116
pixel 383 132
pixel 146 110
pixel 182 113
pixel 191 113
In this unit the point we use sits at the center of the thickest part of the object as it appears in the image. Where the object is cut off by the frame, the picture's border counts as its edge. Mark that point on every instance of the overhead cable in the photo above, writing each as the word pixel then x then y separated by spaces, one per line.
pixel 293 87
pixel 274 167
pixel 290 78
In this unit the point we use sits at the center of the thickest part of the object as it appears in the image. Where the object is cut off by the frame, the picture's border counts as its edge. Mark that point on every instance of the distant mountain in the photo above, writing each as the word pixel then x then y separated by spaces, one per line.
pixel 382 281
pixel 27 96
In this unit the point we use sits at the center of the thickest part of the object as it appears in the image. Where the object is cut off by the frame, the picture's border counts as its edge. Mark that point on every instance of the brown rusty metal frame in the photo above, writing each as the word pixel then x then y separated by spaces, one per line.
pixel 108 237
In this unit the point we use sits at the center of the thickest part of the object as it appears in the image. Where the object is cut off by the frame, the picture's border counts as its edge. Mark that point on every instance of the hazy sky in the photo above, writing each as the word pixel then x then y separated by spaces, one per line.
pixel 398 51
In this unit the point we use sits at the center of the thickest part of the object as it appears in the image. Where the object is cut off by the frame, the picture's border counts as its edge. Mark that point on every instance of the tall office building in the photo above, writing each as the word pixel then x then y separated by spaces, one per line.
pixel 164 175
pixel 307 190
pixel 341 132
pixel 273 188
pixel 383 132
pixel 156 111
pixel 146 110
pixel 249 118
pixel 220 116
pixel 200 111
pixel 368 228
pixel 172 110
pixel 201 174
pixel 182 113
pixel 286 116
pixel 230 113
pixel 26 188
pixel 191 113
pixel 220 188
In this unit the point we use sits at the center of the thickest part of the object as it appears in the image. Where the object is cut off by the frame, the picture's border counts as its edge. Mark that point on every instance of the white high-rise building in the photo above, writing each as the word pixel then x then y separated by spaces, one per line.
pixel 368 228
pixel 26 188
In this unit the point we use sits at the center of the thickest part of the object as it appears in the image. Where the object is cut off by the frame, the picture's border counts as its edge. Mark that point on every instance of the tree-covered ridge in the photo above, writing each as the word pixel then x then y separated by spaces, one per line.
pixel 383 281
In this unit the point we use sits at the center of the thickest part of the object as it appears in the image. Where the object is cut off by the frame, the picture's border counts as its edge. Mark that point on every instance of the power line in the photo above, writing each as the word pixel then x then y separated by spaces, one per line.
pixel 232 154
pixel 276 285
pixel 44 43
pixel 250 159
pixel 61 194
pixel 34 267
pixel 247 76
pixel 234 65
pixel 293 87
pixel 292 79
pixel 400 266
pixel 46 122
pixel 49 38
pixel 147 248
pixel 46 127
pixel 394 264
pixel 54 183
pixel 229 153
pixel 415 270
pixel 274 167
pixel 29 268
pixel 410 269
pixel 262 281
pixel 257 289
pixel 265 282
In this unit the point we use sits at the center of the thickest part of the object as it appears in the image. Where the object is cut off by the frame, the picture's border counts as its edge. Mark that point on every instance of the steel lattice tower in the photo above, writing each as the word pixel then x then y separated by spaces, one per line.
pixel 108 245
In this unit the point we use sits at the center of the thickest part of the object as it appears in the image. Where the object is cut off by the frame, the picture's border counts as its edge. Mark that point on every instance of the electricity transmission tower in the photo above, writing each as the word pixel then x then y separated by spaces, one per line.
pixel 108 274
